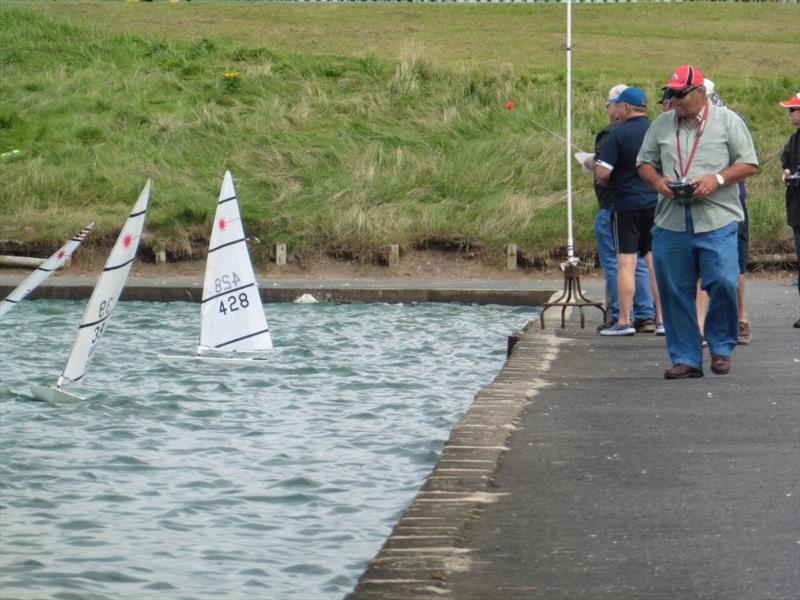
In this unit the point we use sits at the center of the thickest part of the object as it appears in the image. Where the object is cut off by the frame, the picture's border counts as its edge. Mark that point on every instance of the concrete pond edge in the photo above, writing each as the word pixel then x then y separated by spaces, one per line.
pixel 428 542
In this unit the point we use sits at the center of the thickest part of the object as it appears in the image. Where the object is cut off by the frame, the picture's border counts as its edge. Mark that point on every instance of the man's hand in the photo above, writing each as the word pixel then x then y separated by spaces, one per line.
pixel 708 184
pixel 660 185
pixel 602 175
pixel 655 180
pixel 705 185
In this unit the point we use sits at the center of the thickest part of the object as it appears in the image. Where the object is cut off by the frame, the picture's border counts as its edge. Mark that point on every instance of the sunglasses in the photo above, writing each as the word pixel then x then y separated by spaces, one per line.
pixel 794 109
pixel 679 95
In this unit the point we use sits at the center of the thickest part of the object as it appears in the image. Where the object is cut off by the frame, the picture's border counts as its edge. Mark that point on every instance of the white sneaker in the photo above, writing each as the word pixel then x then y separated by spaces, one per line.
pixel 618 329
pixel 660 329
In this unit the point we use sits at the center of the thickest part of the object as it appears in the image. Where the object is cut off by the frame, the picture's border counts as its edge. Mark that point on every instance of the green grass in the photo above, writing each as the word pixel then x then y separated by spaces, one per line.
pixel 354 126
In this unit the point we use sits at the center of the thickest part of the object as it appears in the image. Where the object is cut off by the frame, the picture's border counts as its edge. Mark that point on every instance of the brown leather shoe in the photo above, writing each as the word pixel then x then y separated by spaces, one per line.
pixel 682 371
pixel 721 365
pixel 745 333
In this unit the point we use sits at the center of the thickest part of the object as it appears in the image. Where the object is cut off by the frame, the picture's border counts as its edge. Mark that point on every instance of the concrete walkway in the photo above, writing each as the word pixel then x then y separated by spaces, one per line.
pixel 615 483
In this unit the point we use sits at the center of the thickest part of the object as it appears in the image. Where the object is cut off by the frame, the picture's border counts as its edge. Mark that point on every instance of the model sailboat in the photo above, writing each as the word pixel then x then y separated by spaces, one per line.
pixel 102 303
pixel 233 327
pixel 43 271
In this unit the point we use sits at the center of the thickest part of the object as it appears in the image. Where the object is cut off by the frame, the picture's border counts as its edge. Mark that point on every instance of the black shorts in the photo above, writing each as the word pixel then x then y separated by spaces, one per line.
pixel 632 231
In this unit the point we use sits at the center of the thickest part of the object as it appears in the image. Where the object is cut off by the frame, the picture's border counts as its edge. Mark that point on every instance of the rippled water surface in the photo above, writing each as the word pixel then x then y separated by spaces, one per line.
pixel 280 481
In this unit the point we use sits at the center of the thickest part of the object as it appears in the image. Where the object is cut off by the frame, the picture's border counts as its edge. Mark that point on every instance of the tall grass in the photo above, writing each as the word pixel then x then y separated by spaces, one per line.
pixel 351 127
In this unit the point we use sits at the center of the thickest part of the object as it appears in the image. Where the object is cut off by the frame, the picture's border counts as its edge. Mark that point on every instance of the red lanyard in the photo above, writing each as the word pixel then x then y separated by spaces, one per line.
pixel 701 127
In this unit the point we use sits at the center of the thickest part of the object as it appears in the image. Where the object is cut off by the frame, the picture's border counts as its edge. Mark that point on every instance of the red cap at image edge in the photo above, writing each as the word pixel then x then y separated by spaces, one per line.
pixel 793 102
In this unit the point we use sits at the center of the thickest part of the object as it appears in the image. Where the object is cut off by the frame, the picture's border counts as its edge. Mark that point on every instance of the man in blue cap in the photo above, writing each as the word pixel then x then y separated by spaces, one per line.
pixel 634 205
pixel 644 316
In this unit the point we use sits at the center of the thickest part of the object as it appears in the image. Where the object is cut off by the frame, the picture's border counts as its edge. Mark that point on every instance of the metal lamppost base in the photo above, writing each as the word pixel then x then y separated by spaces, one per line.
pixel 571 296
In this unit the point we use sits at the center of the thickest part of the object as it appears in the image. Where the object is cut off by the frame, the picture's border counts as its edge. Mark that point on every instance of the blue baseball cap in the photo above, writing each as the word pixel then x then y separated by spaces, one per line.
pixel 633 96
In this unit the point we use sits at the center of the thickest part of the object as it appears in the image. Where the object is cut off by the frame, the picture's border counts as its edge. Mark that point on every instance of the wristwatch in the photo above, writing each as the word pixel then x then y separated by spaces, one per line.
pixel 720 179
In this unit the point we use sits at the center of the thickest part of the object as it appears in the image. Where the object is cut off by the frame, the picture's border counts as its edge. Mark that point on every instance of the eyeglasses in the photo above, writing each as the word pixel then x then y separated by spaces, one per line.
pixel 679 95
pixel 794 109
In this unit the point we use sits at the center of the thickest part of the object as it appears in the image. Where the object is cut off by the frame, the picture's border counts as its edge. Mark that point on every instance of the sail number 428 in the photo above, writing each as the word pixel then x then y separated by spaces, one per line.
pixel 233 303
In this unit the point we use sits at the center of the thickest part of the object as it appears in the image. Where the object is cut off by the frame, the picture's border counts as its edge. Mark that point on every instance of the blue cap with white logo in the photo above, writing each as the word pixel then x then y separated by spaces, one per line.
pixel 633 96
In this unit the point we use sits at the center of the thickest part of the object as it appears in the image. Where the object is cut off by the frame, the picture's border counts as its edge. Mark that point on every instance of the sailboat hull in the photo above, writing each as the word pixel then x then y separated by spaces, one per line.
pixel 176 360
pixel 52 394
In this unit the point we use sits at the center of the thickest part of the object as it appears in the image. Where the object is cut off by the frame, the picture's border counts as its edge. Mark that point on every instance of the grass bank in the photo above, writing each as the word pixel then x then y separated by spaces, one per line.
pixel 352 126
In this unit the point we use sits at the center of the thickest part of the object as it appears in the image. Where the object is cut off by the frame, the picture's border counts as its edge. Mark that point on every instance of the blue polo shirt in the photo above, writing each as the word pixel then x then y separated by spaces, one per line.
pixel 619 155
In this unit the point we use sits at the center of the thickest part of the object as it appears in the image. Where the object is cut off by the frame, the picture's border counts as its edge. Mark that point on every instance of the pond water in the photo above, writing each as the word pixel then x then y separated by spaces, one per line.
pixel 280 481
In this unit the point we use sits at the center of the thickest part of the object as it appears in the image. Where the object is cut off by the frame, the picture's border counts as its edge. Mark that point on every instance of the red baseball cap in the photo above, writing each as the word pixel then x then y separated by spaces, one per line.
pixel 685 76
pixel 793 102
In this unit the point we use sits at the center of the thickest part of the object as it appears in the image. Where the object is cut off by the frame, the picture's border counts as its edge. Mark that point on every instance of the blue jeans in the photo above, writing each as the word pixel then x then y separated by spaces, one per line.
pixel 643 304
pixel 680 257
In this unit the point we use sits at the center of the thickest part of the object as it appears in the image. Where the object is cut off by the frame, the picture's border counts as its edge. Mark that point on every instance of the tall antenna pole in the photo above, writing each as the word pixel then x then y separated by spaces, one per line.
pixel 573 294
pixel 570 243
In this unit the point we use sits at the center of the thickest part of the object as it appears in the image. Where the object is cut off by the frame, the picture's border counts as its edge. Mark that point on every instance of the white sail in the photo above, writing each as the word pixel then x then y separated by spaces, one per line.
pixel 106 291
pixel 232 316
pixel 43 271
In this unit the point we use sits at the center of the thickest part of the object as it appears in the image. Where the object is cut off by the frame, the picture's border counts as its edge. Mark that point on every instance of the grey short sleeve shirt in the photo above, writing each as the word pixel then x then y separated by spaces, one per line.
pixel 724 141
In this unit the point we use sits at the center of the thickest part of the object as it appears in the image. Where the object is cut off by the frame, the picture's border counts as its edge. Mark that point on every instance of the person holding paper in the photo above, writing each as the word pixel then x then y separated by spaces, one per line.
pixel 643 306
pixel 634 205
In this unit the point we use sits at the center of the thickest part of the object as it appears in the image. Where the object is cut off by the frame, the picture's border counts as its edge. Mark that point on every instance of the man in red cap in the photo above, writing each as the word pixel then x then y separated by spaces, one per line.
pixel 790 161
pixel 708 149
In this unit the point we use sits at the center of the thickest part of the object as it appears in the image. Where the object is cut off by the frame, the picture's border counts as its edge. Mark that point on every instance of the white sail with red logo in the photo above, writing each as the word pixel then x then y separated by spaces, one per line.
pixel 232 316
pixel 43 271
pixel 233 327
pixel 103 301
